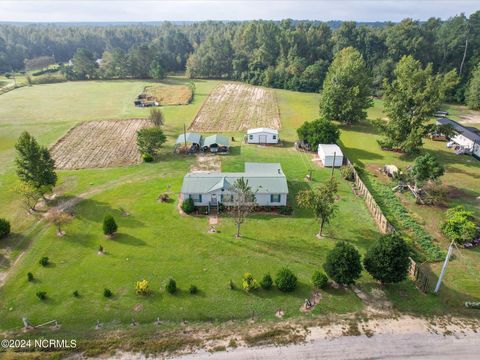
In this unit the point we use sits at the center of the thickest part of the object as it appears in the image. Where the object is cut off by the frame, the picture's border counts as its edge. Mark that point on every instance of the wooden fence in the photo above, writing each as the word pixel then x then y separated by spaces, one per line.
pixel 372 206
pixel 419 277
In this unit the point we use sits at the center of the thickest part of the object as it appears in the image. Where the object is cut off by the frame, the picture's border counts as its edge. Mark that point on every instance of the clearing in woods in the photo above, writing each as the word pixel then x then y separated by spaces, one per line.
pixel 169 95
pixel 98 144
pixel 235 106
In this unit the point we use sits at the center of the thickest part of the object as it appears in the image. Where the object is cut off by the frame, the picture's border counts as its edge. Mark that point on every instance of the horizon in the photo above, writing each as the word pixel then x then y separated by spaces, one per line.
pixel 121 11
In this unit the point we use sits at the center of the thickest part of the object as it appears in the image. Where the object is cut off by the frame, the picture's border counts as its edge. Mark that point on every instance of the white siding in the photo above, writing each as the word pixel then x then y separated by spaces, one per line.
pixel 261 199
pixel 326 155
pixel 462 140
pixel 262 138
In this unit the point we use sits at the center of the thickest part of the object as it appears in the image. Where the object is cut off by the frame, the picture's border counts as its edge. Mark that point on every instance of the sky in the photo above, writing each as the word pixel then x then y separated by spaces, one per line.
pixel 197 10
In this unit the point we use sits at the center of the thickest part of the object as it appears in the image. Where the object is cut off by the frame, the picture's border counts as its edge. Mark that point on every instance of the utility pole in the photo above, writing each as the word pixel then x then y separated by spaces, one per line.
pixel 333 165
pixel 444 267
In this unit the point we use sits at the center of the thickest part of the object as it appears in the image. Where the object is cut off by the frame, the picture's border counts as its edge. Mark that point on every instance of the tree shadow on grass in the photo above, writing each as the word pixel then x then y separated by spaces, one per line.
pixel 94 210
pixel 127 239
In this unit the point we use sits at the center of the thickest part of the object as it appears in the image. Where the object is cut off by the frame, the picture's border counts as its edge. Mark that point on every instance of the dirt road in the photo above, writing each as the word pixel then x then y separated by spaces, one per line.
pixel 384 346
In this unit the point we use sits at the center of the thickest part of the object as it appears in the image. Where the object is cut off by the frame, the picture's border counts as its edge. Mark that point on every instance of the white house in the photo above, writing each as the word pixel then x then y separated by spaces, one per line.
pixel 466 137
pixel 328 152
pixel 266 180
pixel 262 136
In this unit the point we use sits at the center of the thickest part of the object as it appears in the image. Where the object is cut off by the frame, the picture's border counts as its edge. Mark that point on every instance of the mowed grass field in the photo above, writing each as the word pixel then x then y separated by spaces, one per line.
pixel 155 242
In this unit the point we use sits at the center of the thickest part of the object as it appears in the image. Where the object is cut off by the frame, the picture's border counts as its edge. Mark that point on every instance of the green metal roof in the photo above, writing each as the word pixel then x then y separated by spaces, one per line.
pixel 264 178
pixel 192 138
pixel 216 139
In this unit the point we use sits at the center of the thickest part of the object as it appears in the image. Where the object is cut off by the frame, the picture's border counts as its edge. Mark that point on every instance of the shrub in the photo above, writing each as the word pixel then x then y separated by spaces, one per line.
pixel 266 282
pixel 188 206
pixel 231 285
pixel 387 259
pixel 30 277
pixel 347 172
pixel 149 140
pixel 171 286
pixel 320 131
pixel 193 289
pixel 248 282
pixel 459 225
pixel 107 293
pixel 286 281
pixel 319 280
pixel 100 248
pixel 285 210
pixel 147 158
pixel 76 294
pixel 343 264
pixel 42 295
pixel 109 225
pixel 4 228
pixel 142 287
pixel 44 261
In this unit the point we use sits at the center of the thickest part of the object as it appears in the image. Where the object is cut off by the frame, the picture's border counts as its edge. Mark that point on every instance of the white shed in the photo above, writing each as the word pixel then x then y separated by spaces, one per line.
pixel 262 136
pixel 327 152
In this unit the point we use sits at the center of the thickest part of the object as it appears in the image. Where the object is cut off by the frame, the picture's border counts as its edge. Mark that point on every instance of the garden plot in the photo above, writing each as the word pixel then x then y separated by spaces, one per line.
pixel 99 144
pixel 237 107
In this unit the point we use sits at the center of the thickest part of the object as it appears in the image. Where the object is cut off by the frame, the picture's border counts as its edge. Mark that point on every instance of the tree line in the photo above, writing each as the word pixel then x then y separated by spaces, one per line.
pixel 287 54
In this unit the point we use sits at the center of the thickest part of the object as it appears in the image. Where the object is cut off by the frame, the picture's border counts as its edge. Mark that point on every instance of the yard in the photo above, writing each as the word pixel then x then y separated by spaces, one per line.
pixel 156 243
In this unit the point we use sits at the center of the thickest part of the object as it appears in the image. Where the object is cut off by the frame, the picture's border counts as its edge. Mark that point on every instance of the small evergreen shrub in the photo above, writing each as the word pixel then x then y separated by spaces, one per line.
pixel 188 206
pixel 76 294
pixel 109 225
pixel 193 289
pixel 4 228
pixel 286 280
pixel 343 264
pixel 107 293
pixel 42 295
pixel 30 277
pixel 319 280
pixel 249 283
pixel 347 173
pixel 285 210
pixel 44 261
pixel 171 286
pixel 266 282
pixel 147 158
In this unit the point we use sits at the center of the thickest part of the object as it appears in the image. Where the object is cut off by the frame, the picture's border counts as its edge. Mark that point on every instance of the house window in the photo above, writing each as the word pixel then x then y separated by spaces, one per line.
pixel 274 137
pixel 275 198
pixel 250 137
pixel 196 197
pixel 228 198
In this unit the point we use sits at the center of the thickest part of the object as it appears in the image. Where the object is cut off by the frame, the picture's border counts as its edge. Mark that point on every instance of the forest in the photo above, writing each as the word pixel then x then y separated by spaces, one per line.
pixel 287 54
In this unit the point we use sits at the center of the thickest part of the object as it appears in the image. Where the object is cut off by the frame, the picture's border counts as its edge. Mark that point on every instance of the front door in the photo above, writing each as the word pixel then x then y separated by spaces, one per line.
pixel 262 139
pixel 213 200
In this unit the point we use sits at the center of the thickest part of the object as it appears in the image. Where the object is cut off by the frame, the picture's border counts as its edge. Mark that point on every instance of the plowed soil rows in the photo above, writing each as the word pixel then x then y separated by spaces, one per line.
pixel 99 144
pixel 235 106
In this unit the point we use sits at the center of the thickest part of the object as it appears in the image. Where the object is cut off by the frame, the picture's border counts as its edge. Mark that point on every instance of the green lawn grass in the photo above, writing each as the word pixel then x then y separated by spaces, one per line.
pixel 155 242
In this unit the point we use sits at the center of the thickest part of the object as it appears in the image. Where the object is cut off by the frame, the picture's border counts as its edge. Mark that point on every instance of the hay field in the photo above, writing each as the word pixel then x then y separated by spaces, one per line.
pixel 170 95
pixel 99 144
pixel 237 107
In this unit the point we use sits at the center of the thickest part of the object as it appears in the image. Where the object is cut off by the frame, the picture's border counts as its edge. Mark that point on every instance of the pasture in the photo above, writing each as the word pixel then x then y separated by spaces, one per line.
pixel 99 144
pixel 237 107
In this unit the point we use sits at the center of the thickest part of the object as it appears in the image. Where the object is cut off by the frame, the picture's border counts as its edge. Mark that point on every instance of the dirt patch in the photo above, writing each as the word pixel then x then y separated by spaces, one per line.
pixel 169 95
pixel 236 106
pixel 207 163
pixel 473 118
pixel 99 144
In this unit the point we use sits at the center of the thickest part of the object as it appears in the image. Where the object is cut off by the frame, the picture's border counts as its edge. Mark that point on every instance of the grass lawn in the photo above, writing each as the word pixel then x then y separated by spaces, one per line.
pixel 463 180
pixel 155 242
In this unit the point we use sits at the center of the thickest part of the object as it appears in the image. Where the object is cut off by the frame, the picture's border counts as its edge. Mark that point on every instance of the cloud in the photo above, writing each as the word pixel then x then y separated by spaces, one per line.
pixel 114 10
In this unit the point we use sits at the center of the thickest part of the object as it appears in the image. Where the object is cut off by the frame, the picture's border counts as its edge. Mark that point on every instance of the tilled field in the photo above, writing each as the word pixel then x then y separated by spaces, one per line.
pixel 99 144
pixel 235 106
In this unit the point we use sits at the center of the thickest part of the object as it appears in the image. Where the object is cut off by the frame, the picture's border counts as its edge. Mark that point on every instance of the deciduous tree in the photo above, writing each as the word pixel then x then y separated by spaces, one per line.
pixel 320 131
pixel 243 202
pixel 149 140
